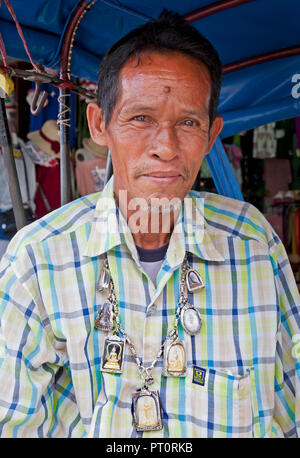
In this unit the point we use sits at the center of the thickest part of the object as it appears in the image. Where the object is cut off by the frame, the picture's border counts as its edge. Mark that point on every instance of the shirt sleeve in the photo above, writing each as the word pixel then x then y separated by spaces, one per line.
pixel 36 394
pixel 286 418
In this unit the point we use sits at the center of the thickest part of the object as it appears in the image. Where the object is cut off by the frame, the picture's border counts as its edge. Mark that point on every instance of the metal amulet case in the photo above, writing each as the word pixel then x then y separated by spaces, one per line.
pixel 174 361
pixel 190 319
pixel 146 410
pixel 194 281
pixel 113 355
pixel 104 320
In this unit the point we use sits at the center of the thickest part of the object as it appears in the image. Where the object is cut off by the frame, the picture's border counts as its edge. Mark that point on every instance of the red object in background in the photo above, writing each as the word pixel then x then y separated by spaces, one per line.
pixel 48 178
pixel 277 175
pixel 84 177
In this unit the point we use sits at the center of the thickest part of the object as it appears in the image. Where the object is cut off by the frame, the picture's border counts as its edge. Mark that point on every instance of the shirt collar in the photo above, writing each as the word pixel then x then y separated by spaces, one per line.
pixel 191 234
pixel 109 229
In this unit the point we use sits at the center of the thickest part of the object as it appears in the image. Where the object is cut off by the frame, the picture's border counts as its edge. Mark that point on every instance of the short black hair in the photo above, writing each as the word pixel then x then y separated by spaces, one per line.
pixel 169 32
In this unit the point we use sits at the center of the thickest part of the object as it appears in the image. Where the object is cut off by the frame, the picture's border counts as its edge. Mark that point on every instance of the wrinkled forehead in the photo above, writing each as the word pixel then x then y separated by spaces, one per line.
pixel 168 64
pixel 167 72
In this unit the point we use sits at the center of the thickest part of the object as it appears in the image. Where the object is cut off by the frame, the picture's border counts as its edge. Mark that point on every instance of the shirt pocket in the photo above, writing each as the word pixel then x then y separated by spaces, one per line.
pixel 221 404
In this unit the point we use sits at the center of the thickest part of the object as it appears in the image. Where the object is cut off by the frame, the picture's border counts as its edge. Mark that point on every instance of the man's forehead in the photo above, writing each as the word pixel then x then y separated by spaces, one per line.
pixel 172 66
pixel 167 75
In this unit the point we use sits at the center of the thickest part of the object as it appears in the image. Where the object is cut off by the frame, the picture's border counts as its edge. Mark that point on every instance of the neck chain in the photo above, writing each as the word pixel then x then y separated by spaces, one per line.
pixel 146 403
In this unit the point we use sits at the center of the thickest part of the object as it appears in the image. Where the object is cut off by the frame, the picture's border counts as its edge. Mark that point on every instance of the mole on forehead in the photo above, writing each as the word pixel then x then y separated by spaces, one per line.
pixel 166 89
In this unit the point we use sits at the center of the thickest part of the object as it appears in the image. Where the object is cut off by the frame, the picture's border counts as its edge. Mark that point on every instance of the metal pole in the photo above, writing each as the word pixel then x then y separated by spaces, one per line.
pixel 65 150
pixel 64 98
pixel 13 182
pixel 261 59
pixel 213 8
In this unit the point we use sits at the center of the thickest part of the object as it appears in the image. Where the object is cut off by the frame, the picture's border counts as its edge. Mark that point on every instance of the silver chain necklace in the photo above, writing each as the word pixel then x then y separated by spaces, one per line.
pixel 146 403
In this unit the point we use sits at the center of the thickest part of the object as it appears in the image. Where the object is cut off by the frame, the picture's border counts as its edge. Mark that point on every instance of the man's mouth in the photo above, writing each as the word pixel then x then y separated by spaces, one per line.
pixel 162 177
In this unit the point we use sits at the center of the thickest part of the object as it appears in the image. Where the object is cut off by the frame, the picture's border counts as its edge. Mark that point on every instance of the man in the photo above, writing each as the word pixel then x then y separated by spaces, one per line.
pixel 149 310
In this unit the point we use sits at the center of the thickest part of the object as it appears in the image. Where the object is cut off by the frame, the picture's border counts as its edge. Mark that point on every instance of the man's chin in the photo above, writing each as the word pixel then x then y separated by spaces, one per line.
pixel 162 201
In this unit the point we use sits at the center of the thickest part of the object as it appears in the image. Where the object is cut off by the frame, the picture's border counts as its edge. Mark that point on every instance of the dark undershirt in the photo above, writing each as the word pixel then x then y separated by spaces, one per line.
pixel 151 260
pixel 157 254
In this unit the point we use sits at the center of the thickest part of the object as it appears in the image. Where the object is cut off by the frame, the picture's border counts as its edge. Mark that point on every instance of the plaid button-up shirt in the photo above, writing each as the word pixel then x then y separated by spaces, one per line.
pixel 243 374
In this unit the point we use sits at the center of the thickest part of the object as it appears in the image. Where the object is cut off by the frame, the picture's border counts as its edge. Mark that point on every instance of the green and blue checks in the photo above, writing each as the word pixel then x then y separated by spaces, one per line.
pixel 243 377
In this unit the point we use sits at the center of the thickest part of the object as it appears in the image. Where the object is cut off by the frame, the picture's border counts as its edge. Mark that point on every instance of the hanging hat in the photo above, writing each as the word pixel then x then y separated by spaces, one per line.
pixel 47 138
pixel 92 147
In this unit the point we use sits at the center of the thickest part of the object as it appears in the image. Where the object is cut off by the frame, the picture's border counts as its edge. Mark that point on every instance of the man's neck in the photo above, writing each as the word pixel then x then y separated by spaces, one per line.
pixel 156 229
pixel 151 241
pixel 150 228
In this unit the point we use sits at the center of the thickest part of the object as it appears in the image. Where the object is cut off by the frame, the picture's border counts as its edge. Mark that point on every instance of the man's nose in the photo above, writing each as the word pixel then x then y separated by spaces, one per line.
pixel 165 143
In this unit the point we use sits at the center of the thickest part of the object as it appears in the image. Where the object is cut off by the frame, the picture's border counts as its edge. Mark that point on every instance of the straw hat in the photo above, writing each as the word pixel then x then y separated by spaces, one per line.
pixel 47 138
pixel 92 147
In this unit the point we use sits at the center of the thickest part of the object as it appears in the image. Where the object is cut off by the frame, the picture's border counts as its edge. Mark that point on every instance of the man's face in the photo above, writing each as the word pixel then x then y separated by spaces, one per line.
pixel 159 132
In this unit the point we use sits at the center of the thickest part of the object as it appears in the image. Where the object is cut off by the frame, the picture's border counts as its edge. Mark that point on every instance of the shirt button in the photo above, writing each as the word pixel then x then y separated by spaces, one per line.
pixel 244 388
pixel 151 308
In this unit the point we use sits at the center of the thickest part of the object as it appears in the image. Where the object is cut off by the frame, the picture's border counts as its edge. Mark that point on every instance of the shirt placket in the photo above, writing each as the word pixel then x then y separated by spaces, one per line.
pixel 159 320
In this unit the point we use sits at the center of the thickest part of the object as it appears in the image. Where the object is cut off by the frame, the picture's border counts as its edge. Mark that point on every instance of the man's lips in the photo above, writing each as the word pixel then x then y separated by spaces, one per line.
pixel 162 176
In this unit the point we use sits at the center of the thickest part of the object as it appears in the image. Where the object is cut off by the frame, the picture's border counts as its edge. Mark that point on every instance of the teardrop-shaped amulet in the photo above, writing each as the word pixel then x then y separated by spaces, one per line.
pixel 104 280
pixel 193 281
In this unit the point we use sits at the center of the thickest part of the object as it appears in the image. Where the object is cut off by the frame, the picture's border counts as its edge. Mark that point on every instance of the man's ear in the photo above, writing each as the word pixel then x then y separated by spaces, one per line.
pixel 96 123
pixel 214 131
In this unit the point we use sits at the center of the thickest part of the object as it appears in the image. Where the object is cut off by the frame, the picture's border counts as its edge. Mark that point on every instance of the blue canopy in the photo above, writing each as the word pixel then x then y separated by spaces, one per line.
pixel 252 96
pixel 256 94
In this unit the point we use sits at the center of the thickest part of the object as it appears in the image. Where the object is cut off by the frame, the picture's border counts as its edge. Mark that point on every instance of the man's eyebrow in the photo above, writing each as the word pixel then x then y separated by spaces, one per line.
pixel 137 107
pixel 200 113
pixel 140 107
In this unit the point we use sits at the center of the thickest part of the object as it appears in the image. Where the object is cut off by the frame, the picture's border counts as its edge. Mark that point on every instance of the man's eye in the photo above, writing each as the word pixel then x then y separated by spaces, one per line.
pixel 140 118
pixel 190 122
